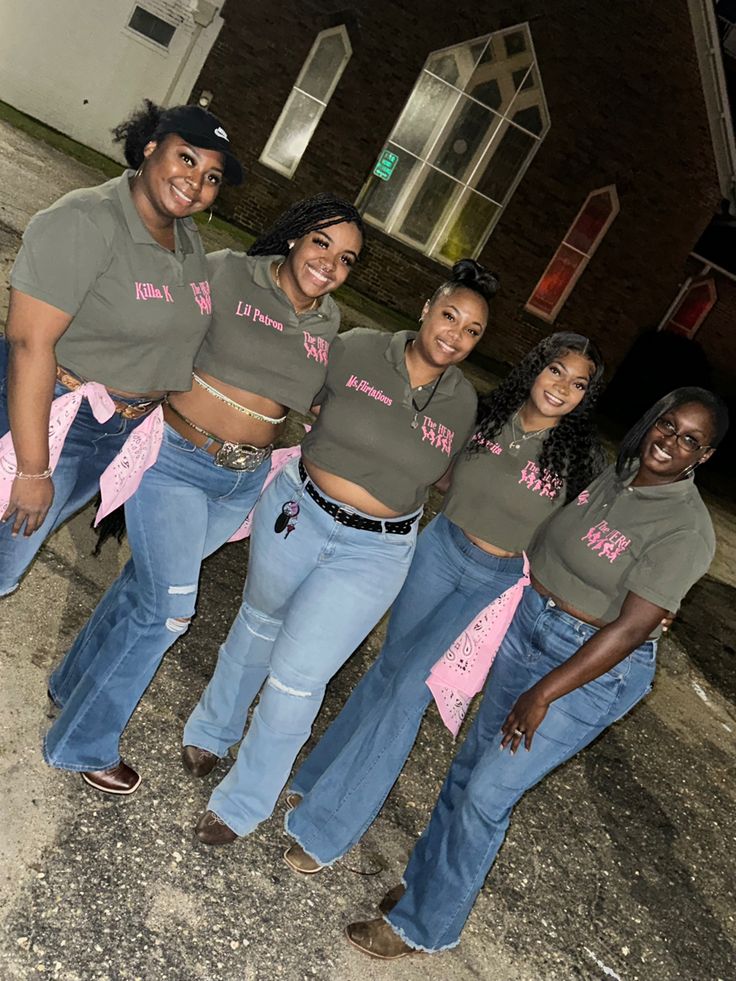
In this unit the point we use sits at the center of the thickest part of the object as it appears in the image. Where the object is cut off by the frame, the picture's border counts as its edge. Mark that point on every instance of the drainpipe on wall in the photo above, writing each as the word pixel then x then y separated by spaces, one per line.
pixel 203 14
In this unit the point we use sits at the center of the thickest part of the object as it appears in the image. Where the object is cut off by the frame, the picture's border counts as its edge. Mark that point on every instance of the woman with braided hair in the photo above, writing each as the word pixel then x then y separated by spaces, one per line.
pixel 534 448
pixel 264 353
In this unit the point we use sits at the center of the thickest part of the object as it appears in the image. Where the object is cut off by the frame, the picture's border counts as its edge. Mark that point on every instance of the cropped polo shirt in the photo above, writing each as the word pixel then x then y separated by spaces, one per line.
pixel 139 311
pixel 257 341
pixel 615 538
pixel 498 493
pixel 364 430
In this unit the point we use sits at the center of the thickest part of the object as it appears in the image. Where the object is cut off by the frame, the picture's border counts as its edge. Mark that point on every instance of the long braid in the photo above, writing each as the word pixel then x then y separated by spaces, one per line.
pixel 572 450
pixel 303 217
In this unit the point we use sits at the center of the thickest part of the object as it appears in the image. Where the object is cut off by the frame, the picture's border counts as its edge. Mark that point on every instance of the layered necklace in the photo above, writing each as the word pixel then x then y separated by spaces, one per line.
pixel 516 441
pixel 311 306
pixel 421 408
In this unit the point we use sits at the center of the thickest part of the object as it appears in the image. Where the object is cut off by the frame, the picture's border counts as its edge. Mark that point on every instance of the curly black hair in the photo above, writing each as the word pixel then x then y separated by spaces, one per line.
pixel 136 131
pixel 572 451
pixel 470 275
pixel 303 217
pixel 631 443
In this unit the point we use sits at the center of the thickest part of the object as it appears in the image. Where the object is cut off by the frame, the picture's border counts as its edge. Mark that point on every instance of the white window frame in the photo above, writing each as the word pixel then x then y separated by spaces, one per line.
pixel 587 256
pixel 265 157
pixel 483 155
pixel 144 38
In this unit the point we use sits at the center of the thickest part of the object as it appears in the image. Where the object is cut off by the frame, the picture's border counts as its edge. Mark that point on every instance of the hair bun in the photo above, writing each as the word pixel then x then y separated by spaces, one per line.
pixel 469 273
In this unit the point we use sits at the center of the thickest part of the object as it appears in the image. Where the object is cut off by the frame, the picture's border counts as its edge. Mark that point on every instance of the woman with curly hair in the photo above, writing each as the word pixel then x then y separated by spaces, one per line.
pixel 579 655
pixel 109 303
pixel 333 537
pixel 534 448
pixel 264 354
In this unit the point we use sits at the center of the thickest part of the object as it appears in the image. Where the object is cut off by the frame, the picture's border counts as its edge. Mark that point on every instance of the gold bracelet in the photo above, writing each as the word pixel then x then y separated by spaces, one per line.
pixel 33 476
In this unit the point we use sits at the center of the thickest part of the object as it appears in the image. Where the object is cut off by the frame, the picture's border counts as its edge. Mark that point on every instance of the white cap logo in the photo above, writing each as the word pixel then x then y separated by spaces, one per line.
pixel 221 133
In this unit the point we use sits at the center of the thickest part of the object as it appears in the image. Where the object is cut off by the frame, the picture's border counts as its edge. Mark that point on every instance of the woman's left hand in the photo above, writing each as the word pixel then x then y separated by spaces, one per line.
pixel 523 720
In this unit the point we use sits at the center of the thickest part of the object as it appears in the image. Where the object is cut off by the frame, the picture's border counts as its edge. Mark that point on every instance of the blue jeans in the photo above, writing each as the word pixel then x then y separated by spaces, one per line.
pixel 348 775
pixel 89 447
pixel 468 825
pixel 185 509
pixel 309 601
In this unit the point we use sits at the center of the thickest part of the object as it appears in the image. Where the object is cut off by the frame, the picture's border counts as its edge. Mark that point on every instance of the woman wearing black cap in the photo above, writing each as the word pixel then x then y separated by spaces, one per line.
pixel 264 353
pixel 109 303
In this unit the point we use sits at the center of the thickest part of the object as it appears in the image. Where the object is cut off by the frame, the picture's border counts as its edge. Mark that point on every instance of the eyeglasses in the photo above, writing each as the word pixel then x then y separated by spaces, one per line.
pixel 685 440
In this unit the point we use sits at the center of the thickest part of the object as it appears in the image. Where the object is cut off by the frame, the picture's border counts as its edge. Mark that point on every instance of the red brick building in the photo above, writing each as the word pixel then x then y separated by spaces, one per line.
pixel 491 125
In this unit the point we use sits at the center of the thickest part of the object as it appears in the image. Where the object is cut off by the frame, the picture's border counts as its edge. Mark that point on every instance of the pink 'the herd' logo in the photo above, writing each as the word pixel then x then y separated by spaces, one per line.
pixel 437 435
pixel 202 296
pixel 316 347
pixel 607 542
pixel 545 484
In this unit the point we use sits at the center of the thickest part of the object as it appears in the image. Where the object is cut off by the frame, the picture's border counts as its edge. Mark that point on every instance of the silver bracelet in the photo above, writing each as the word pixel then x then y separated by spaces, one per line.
pixel 33 476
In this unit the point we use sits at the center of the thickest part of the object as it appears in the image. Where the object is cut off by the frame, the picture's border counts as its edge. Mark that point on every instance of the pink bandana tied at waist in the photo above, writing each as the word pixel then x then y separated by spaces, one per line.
pixel 462 670
pixel 122 477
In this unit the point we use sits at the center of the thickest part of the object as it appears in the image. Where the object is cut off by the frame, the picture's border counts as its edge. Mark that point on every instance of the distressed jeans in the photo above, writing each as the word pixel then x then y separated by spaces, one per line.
pixel 350 772
pixel 458 847
pixel 89 448
pixel 185 508
pixel 310 599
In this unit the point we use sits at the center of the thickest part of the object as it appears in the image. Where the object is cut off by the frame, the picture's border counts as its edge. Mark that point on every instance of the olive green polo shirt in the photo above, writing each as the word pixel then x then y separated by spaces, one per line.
pixel 364 431
pixel 139 312
pixel 499 494
pixel 614 539
pixel 257 341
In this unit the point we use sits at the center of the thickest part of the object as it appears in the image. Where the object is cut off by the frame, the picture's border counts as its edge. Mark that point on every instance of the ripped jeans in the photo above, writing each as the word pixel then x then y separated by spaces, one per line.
pixel 185 509
pixel 309 600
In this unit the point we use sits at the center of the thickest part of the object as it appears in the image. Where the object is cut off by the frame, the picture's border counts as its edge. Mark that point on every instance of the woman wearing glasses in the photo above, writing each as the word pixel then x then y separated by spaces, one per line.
pixel 580 653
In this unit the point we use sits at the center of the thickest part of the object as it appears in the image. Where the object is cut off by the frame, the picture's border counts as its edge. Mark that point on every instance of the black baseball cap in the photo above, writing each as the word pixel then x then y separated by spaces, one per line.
pixel 201 128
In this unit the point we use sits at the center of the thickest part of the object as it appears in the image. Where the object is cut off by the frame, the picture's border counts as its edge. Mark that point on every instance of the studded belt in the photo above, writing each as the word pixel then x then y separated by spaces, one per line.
pixel 351 519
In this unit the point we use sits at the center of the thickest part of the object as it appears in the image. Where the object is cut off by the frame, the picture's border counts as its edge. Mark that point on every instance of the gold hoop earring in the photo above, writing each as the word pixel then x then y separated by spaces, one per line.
pixel 210 217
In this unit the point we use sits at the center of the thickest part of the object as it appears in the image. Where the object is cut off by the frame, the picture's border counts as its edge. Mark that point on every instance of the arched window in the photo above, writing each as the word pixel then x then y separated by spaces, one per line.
pixel 470 127
pixel 694 303
pixel 580 242
pixel 317 80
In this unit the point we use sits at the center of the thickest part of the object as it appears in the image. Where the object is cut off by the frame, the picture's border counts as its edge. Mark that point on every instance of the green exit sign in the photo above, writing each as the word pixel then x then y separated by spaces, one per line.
pixel 386 165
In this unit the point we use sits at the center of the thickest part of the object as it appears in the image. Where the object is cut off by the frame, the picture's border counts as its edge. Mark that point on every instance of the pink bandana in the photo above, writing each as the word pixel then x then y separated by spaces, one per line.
pixel 462 670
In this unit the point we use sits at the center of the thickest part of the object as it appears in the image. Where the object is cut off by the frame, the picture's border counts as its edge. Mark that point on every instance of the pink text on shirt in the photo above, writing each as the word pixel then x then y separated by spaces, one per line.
pixel 364 386
pixel 608 543
pixel 201 292
pixel 256 315
pixel 545 484
pixel 438 435
pixel 147 291
pixel 316 347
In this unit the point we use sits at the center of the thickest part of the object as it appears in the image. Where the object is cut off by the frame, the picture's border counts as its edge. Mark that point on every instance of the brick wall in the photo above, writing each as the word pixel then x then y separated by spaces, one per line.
pixel 624 95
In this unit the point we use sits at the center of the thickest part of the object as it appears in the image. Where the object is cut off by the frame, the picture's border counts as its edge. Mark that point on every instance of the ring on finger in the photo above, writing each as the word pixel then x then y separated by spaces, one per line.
pixel 518 732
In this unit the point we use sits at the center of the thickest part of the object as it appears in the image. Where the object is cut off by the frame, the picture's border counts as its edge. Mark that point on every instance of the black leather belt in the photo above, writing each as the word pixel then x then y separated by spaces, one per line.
pixel 351 519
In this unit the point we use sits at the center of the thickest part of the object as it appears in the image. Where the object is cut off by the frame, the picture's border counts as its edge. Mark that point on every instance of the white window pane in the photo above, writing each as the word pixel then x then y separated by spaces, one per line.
pixel 469 132
pixel 431 199
pixel 429 101
pixel 293 132
pixel 379 196
pixel 466 233
pixel 509 156
pixel 498 77
pixel 321 69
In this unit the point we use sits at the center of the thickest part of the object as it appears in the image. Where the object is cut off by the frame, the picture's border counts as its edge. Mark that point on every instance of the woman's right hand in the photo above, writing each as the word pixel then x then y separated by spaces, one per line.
pixel 30 500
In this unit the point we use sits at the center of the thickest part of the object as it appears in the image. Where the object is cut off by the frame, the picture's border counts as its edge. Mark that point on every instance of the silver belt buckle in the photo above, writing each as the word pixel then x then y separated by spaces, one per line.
pixel 241 456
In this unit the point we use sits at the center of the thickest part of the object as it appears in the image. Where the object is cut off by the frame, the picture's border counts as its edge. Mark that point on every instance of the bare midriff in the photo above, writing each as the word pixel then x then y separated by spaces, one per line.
pixel 490 548
pixel 348 493
pixel 565 607
pixel 225 421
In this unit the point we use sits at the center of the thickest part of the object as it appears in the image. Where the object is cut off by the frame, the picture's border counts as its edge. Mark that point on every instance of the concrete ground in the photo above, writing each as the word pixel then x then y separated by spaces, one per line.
pixel 621 865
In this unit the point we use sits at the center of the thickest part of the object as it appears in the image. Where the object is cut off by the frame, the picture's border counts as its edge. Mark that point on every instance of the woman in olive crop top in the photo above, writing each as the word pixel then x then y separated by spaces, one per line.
pixel 580 653
pixel 534 447
pixel 265 353
pixel 333 536
pixel 109 303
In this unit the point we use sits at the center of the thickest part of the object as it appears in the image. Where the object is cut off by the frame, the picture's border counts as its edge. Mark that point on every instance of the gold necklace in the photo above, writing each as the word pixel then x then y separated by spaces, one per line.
pixel 517 441
pixel 311 306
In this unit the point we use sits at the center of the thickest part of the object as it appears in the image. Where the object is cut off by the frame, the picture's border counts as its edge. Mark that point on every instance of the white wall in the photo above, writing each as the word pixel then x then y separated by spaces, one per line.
pixel 76 66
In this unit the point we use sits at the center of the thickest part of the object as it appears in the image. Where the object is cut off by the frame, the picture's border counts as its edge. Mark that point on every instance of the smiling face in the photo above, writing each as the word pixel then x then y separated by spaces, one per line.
pixel 662 456
pixel 178 179
pixel 560 387
pixel 452 325
pixel 319 262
